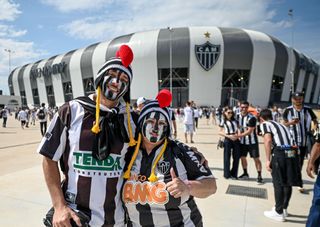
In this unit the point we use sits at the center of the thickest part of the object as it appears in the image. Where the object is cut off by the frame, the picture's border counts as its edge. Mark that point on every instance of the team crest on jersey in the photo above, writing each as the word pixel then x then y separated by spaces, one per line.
pixel 48 135
pixel 207 54
pixel 163 167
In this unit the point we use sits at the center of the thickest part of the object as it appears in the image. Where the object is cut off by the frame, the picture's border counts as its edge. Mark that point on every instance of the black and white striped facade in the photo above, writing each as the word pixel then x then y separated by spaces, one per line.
pixel 264 59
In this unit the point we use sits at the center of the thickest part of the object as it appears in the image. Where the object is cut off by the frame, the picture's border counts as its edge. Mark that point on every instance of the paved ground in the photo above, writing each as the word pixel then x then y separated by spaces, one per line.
pixel 25 200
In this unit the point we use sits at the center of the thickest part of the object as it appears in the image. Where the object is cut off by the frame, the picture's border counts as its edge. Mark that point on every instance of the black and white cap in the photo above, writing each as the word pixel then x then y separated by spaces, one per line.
pixel 157 105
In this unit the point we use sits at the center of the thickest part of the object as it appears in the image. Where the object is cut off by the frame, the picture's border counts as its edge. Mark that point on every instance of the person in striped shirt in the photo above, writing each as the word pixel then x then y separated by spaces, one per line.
pixel 282 160
pixel 248 141
pixel 89 136
pixel 229 129
pixel 298 118
pixel 163 175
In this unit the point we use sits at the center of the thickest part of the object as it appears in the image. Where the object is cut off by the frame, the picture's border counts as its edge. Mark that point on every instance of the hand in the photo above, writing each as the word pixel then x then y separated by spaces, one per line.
pixel 295 121
pixel 62 216
pixel 177 187
pixel 233 137
pixel 310 169
pixel 268 166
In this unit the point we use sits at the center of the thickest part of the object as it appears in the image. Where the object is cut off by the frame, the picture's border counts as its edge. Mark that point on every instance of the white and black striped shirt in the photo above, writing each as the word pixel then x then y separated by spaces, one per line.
pixel 230 126
pixel 91 185
pixel 246 122
pixel 280 133
pixel 150 204
pixel 299 131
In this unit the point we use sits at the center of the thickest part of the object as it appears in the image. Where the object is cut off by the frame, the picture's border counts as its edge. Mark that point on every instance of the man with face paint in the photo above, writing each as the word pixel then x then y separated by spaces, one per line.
pixel 89 136
pixel 163 175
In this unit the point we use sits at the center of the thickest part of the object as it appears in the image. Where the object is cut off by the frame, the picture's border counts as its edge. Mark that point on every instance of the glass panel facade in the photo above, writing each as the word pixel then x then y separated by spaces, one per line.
pixel 235 85
pixel 88 86
pixel 180 84
pixel 67 91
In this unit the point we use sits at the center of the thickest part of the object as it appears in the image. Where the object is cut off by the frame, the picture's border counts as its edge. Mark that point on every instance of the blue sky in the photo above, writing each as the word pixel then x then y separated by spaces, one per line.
pixel 37 29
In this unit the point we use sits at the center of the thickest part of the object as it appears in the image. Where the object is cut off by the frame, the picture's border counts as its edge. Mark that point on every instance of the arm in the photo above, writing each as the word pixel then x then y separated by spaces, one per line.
pixel 315 153
pixel 62 213
pixel 174 123
pixel 267 145
pixel 202 188
pixel 197 188
pixel 222 133
pixel 53 181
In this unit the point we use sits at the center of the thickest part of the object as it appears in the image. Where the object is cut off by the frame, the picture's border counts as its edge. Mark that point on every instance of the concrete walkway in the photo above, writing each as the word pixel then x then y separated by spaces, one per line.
pixel 25 199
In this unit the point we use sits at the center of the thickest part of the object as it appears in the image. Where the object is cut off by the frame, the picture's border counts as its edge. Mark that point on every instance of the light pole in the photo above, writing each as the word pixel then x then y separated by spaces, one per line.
pixel 290 13
pixel 170 57
pixel 9 52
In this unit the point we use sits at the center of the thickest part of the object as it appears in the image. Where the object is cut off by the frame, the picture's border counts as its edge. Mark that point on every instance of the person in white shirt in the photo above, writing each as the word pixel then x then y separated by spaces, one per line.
pixel 188 121
pixel 23 117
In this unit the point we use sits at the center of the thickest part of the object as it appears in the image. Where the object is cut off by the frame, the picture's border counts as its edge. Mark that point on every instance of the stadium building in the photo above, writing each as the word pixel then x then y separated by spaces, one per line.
pixel 208 65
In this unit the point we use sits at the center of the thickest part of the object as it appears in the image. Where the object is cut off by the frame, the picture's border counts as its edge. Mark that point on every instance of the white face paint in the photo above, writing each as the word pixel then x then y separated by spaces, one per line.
pixel 154 127
pixel 114 85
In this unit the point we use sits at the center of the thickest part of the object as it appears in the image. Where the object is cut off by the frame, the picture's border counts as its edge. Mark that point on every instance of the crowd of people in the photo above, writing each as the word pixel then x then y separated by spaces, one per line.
pixel 29 116
pixel 285 135
pixel 106 164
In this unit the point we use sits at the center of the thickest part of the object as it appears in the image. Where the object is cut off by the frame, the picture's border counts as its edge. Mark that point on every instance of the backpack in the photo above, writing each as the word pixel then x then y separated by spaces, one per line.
pixel 41 114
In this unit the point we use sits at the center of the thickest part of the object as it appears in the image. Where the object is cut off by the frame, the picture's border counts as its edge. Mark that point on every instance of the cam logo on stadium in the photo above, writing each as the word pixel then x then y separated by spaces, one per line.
pixel 207 54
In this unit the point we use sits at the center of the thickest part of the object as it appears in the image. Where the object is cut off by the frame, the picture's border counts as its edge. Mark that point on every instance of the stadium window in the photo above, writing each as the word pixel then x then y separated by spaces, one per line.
pixel 35 95
pixel 88 86
pixel 235 84
pixel 67 90
pixel 180 84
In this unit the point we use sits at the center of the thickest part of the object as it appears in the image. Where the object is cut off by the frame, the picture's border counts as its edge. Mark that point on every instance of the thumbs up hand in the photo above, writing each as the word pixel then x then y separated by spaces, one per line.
pixel 176 187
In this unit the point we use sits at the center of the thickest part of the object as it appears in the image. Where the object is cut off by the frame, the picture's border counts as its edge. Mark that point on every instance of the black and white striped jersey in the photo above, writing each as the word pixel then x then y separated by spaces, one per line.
pixel 280 133
pixel 230 126
pixel 299 131
pixel 91 185
pixel 246 122
pixel 150 204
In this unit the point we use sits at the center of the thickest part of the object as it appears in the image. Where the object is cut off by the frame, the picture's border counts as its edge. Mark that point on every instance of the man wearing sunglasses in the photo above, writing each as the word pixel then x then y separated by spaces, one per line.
pixel 248 141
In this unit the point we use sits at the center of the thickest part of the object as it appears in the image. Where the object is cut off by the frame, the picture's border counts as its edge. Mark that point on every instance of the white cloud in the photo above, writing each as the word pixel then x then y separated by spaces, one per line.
pixel 140 15
pixel 9 31
pixel 8 10
pixel 22 53
pixel 74 5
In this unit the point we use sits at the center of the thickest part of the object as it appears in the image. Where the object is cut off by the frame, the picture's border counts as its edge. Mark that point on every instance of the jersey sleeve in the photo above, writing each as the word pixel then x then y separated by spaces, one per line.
pixel 285 115
pixel 264 129
pixel 252 122
pixel 54 141
pixel 192 163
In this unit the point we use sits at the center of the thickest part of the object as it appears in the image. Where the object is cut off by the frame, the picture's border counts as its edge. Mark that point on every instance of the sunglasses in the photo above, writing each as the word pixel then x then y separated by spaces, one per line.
pixel 229 112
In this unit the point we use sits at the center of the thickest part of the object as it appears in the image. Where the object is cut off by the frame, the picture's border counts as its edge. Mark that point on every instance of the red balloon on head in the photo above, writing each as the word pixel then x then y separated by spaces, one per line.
pixel 164 98
pixel 125 54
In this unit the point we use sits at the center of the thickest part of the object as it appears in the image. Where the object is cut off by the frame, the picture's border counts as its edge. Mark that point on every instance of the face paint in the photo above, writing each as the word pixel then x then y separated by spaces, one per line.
pixel 113 87
pixel 154 127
